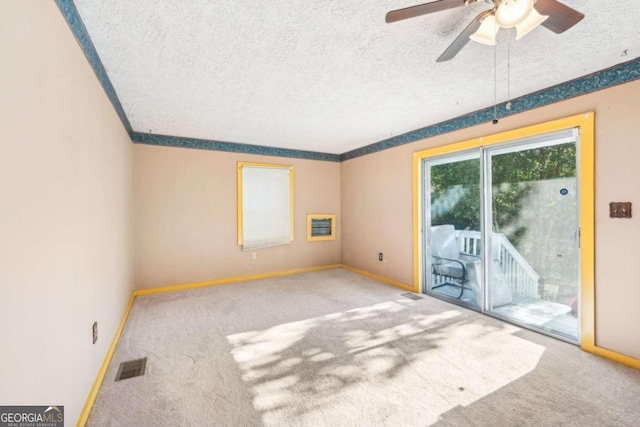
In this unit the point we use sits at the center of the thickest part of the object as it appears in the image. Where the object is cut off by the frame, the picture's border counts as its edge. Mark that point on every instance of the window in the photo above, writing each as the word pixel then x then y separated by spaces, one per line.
pixel 321 227
pixel 265 205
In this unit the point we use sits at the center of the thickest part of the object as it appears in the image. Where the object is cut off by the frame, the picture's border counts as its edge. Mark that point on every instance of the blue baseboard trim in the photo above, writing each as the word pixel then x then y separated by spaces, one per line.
pixel 205 144
pixel 71 15
pixel 609 77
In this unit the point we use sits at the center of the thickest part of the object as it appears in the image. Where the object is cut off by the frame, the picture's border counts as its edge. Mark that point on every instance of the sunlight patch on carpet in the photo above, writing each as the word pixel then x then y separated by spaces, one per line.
pixel 378 359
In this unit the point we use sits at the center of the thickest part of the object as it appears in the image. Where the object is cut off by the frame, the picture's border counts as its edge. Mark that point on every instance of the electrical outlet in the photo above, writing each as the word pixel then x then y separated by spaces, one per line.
pixel 380 256
pixel 95 332
pixel 254 255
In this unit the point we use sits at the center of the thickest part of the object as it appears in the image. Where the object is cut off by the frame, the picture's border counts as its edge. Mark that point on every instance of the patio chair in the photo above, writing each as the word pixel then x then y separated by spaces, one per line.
pixel 459 269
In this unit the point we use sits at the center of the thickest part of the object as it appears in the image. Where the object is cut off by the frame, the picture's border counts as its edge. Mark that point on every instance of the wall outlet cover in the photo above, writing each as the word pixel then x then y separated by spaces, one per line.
pixel 620 210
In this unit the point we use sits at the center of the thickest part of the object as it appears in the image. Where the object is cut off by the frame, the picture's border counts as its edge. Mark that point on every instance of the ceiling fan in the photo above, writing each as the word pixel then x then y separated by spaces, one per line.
pixel 519 14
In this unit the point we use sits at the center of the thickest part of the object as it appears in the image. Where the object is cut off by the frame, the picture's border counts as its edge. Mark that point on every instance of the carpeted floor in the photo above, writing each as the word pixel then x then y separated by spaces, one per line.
pixel 333 348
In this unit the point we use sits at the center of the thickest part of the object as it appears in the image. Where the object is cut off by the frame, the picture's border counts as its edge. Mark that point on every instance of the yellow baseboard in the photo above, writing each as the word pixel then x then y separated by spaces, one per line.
pixel 381 278
pixel 228 280
pixel 86 410
pixel 612 355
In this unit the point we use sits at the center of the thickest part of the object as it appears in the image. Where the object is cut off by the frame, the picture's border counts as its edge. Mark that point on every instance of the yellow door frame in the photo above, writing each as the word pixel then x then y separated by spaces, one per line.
pixel 586 157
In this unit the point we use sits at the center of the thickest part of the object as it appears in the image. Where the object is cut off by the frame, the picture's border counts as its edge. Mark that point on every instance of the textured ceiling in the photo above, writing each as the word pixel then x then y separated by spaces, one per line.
pixel 328 76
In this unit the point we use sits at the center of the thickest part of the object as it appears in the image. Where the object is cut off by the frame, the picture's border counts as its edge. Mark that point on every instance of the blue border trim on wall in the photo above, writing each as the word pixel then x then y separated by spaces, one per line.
pixel 609 77
pixel 71 15
pixel 599 80
pixel 205 144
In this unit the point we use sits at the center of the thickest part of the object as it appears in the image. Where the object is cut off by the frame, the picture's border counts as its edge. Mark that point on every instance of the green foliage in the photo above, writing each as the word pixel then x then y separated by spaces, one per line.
pixel 455 194
pixel 538 164
pixel 455 187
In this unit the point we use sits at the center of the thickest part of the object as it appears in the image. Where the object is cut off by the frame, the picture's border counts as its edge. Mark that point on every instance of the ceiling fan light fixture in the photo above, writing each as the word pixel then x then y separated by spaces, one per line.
pixel 510 13
pixel 531 21
pixel 486 34
pixel 524 15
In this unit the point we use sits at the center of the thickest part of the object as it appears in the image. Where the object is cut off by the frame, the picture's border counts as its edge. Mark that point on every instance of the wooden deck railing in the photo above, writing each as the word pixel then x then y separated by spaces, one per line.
pixel 516 270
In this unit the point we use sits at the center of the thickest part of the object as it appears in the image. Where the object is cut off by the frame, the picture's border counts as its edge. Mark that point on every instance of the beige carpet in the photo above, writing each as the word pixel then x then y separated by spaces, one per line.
pixel 333 348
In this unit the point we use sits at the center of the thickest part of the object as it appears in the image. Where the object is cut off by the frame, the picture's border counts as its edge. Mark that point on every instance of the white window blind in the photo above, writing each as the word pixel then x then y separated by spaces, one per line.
pixel 265 206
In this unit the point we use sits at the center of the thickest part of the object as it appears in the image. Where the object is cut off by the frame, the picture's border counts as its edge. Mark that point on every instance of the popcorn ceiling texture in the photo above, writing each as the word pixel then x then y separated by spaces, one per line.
pixel 615 75
pixel 329 76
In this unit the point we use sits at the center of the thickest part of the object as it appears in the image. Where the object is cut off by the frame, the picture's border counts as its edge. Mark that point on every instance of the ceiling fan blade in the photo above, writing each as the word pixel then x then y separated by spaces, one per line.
pixel 463 38
pixel 561 17
pixel 422 9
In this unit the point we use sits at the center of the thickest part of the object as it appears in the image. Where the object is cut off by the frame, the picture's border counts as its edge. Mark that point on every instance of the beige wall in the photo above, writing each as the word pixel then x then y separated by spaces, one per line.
pixel 377 206
pixel 66 233
pixel 186 216
pixel 65 212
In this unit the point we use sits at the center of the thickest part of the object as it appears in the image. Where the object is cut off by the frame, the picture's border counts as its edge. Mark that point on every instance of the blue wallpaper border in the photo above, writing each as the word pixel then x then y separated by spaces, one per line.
pixel 618 74
pixel 71 15
pixel 233 147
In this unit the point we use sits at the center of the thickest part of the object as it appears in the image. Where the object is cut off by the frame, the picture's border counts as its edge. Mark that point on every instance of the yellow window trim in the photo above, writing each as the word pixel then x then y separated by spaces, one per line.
pixel 586 123
pixel 311 217
pixel 239 180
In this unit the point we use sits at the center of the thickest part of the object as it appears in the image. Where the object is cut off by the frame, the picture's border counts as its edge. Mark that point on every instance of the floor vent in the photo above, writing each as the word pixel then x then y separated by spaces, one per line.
pixel 412 296
pixel 130 369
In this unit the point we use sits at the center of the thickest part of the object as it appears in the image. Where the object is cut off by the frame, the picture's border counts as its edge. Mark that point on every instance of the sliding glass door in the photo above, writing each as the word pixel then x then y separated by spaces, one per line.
pixel 502 233
pixel 532 218
pixel 454 267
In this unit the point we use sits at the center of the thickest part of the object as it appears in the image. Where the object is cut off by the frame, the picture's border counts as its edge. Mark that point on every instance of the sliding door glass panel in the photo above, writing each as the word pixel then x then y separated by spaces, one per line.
pixel 533 272
pixel 453 243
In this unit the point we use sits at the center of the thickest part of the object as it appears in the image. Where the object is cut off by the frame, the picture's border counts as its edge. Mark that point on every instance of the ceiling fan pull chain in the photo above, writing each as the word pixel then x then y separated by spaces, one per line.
pixel 495 85
pixel 508 105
